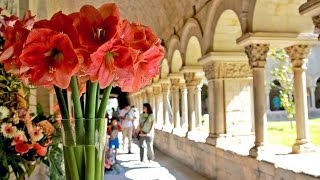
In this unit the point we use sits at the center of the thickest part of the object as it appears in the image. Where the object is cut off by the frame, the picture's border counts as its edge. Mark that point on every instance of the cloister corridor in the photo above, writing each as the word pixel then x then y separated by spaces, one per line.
pixel 211 98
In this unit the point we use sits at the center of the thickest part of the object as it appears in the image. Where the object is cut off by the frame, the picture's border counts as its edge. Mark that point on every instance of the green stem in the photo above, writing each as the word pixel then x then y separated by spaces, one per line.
pixel 69 154
pixel 97 98
pixel 102 131
pixel 79 127
pixel 90 131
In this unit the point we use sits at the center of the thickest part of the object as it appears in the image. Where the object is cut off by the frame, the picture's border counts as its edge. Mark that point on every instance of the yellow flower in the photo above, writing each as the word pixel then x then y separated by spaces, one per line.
pixel 4 112
pixel 8 130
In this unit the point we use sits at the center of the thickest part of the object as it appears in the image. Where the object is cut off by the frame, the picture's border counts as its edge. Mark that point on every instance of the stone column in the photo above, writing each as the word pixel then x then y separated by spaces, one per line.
pixel 298 53
pixel 313 99
pixel 175 105
pixel 158 107
pixel 268 100
pixel 151 98
pixel 257 54
pixel 165 98
pixel 140 102
pixel 191 86
pixel 198 104
pixel 184 106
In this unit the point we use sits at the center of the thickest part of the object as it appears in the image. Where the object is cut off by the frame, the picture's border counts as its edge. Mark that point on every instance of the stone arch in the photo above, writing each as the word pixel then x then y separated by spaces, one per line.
pixel 193 52
pixel 317 93
pixel 277 16
pixel 227 30
pixel 315 79
pixel 172 45
pixel 176 62
pixel 216 9
pixel 190 29
pixel 274 96
pixel 164 72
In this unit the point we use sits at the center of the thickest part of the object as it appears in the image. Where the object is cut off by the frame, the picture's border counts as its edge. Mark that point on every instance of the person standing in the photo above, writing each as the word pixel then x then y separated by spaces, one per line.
pixel 126 118
pixel 146 132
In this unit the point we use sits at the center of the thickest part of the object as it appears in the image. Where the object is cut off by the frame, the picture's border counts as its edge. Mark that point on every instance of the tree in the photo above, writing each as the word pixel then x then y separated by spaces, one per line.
pixel 284 75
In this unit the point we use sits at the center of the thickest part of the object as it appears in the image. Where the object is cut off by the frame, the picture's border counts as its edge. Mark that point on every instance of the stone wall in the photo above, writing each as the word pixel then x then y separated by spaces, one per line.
pixel 217 163
pixel 238 106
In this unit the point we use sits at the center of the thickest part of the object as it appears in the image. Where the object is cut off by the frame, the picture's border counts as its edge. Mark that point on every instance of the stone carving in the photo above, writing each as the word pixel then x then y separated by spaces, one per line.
pixel 220 70
pixel 257 54
pixel 298 54
pixel 175 84
pixel 165 87
pixel 191 79
pixel 156 90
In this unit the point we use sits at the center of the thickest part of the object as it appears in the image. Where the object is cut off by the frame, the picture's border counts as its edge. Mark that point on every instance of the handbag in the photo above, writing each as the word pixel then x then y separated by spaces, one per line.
pixel 138 135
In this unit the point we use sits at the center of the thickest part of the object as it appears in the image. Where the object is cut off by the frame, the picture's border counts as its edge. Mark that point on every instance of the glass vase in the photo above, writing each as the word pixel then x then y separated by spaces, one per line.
pixel 84 148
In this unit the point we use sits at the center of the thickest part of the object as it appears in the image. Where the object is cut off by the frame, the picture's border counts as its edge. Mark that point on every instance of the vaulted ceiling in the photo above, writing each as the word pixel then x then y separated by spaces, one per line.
pixel 162 15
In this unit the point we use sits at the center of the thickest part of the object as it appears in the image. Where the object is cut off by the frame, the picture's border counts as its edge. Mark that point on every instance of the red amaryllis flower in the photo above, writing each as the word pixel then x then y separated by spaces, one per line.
pixel 96 26
pixel 137 36
pixel 49 58
pixel 22 147
pixel 40 150
pixel 111 62
pixel 147 66
pixel 61 23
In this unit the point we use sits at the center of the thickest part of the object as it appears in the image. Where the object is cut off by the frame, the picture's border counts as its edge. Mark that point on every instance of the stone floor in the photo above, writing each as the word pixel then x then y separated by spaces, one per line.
pixel 163 167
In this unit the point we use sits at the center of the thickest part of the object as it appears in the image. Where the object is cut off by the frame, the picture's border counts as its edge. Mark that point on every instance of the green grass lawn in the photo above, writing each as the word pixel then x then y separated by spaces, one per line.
pixel 282 133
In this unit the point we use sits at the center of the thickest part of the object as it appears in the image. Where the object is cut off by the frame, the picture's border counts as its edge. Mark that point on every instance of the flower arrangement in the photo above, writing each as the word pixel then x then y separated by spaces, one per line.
pixel 24 139
pixel 82 52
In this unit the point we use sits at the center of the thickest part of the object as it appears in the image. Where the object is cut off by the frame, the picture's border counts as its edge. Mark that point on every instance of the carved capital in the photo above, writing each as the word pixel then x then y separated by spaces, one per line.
pixel 191 79
pixel 165 87
pixel 175 84
pixel 156 90
pixel 298 54
pixel 220 70
pixel 257 54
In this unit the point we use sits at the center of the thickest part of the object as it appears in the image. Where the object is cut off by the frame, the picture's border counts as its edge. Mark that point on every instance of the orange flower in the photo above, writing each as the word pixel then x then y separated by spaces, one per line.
pixel 112 61
pixel 49 58
pixel 22 147
pixel 19 137
pixel 36 134
pixel 40 150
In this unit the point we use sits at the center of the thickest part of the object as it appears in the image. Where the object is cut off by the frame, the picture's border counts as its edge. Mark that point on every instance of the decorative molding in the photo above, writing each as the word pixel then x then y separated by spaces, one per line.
pixel 223 56
pixel 192 79
pixel 298 55
pixel 223 70
pixel 278 39
pixel 310 8
pixel 257 54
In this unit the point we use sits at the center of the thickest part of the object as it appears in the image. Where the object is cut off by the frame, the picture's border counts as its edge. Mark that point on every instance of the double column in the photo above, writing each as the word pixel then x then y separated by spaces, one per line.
pixel 175 105
pixel 194 104
pixel 158 106
pixel 167 126
pixel 298 54
pixel 217 120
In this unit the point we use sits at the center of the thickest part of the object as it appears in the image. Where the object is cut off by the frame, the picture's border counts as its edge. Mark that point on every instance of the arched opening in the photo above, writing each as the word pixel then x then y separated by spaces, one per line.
pixel 277 16
pixel 228 29
pixel 274 97
pixel 193 52
pixel 205 108
pixel 317 94
pixel 176 62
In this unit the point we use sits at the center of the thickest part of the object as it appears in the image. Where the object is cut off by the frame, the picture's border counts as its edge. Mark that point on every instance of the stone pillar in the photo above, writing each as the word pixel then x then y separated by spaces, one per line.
pixel 267 100
pixel 140 103
pixel 158 107
pixel 297 54
pixel 184 106
pixel 191 86
pixel 165 98
pixel 257 54
pixel 151 98
pixel 198 104
pixel 175 105
pixel 313 99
